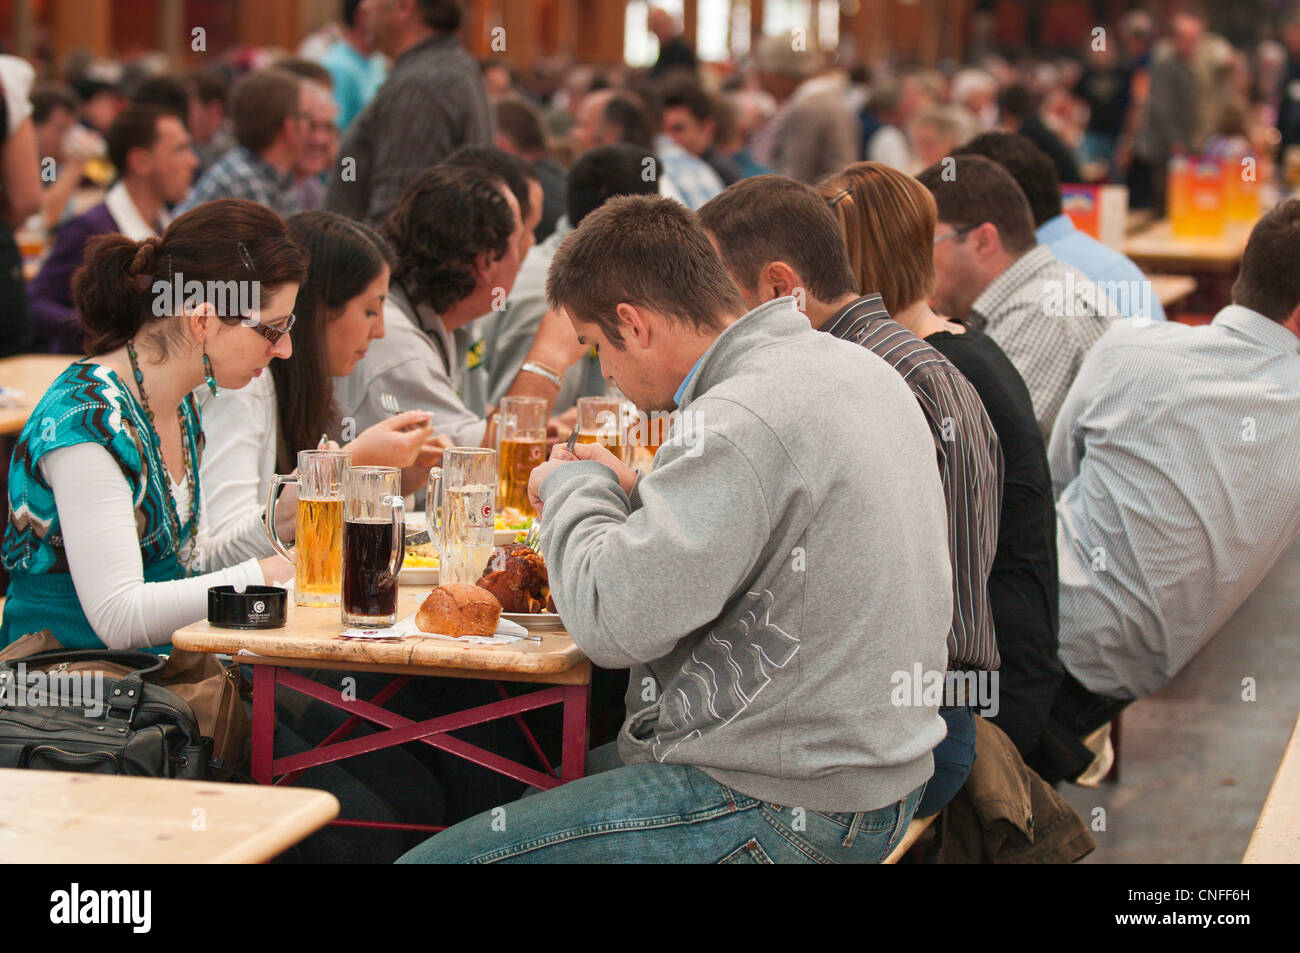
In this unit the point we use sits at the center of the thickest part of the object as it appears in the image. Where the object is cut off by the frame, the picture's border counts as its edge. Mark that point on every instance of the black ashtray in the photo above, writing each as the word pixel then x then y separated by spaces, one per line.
pixel 257 607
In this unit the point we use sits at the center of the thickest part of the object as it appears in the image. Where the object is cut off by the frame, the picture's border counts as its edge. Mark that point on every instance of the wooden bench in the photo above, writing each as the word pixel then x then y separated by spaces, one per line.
pixel 912 835
pixel 1277 834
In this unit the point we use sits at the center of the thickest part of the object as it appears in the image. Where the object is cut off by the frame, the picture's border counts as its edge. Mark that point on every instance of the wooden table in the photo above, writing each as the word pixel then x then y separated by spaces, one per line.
pixel 32 374
pixel 1156 248
pixel 58 817
pixel 1277 834
pixel 310 639
pixel 1137 219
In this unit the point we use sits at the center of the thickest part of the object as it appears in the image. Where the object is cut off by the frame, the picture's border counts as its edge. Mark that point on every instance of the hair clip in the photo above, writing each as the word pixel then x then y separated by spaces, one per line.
pixel 246 257
pixel 840 195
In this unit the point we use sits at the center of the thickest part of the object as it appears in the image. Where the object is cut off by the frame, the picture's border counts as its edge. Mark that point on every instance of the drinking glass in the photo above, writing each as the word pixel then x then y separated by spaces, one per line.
pixel 521 445
pixel 647 433
pixel 374 544
pixel 318 546
pixel 603 420
pixel 466 487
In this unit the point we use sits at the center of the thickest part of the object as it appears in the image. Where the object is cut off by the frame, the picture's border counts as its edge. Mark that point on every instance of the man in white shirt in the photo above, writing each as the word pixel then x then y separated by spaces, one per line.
pixel 1174 460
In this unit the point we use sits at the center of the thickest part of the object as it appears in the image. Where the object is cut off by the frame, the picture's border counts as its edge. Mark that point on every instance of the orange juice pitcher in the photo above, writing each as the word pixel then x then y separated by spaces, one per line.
pixel 1241 188
pixel 1205 192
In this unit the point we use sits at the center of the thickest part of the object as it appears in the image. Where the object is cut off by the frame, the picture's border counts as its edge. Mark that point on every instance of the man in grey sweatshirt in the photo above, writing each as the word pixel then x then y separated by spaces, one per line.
pixel 774 583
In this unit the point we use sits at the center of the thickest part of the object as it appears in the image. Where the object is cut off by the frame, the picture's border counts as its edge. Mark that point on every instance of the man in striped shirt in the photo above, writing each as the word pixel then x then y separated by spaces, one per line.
pixel 1175 462
pixel 992 274
pixel 777 237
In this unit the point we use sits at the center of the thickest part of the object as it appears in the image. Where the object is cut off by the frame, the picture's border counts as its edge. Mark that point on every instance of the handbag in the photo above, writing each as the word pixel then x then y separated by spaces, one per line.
pixel 212 690
pixel 94 711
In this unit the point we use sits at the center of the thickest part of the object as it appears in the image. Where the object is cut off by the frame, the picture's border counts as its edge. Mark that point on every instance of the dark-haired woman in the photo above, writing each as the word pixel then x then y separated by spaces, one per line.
pixel 106 543
pixel 254 432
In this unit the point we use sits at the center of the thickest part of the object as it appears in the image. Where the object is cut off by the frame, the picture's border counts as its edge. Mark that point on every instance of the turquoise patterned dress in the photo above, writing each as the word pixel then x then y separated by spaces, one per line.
pixel 87 403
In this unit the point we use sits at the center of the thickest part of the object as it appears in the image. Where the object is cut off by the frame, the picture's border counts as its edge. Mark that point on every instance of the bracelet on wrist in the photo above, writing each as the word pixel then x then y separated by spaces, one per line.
pixel 541 370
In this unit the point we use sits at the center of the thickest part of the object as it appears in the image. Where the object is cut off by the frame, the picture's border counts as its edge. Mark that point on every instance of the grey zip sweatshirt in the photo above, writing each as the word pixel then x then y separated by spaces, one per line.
pixel 784 559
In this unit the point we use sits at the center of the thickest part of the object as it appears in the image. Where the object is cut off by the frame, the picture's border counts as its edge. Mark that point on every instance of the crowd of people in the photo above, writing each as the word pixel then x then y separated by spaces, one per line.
pixel 1027 479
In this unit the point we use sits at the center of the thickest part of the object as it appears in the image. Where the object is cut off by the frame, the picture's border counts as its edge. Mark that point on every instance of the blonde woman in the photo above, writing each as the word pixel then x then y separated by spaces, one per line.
pixel 888 220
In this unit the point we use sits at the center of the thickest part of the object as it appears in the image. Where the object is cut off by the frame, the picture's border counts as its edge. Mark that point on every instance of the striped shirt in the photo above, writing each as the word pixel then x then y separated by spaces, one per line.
pixel 241 174
pixel 970 465
pixel 1174 458
pixel 1044 315
pixel 433 103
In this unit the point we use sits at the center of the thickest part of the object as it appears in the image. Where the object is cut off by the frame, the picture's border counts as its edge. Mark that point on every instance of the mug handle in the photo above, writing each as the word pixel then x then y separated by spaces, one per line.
pixel 398 504
pixel 431 509
pixel 277 481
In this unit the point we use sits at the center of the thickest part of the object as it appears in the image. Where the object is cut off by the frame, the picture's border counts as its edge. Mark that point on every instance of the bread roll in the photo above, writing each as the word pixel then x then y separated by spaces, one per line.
pixel 459 610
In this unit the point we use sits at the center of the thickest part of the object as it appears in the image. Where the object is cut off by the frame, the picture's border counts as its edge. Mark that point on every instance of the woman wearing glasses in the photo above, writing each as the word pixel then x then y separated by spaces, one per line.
pixel 107 542
pixel 257 431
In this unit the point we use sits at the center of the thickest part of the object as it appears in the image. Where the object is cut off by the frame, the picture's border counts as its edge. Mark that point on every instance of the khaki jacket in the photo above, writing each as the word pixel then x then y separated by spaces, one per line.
pixel 1007 814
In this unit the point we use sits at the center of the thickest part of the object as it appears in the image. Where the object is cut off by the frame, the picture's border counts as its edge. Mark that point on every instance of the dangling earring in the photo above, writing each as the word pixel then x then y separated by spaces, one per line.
pixel 207 372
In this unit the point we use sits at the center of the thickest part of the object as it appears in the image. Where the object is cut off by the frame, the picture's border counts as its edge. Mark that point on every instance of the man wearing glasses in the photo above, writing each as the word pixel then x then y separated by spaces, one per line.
pixel 991 273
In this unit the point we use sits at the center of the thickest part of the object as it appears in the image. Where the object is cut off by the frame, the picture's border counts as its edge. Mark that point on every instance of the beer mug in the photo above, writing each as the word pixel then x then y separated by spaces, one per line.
pixel 318 549
pixel 603 420
pixel 521 445
pixel 647 433
pixel 466 487
pixel 374 544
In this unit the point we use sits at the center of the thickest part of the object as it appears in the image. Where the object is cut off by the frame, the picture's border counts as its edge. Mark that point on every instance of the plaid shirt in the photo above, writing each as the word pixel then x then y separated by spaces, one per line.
pixel 970 464
pixel 433 103
pixel 693 178
pixel 239 174
pixel 1043 314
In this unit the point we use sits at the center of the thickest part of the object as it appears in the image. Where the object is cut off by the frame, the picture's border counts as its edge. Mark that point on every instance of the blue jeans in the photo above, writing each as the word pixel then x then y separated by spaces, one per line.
pixel 953 758
pixel 664 813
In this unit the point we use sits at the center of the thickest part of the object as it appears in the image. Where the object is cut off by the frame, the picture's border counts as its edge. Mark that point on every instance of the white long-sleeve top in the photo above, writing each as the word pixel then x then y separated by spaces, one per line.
pixel 239 428
pixel 98 524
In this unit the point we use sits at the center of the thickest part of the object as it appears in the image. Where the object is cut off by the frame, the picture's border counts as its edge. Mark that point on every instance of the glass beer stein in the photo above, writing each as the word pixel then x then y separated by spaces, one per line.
pixel 318 546
pixel 466 486
pixel 521 430
pixel 374 545
pixel 603 420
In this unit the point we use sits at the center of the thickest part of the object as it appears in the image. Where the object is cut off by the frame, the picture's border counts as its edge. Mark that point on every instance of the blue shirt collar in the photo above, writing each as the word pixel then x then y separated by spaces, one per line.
pixel 677 398
pixel 1055 228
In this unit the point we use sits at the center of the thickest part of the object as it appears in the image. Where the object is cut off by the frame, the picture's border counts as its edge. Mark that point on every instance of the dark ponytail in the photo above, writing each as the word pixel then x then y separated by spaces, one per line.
pixel 227 240
pixel 109 291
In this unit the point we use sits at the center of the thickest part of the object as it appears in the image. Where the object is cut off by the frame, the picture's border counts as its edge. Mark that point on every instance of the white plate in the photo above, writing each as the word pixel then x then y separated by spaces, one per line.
pixel 535 620
pixel 416 522
pixel 418 576
pixel 501 537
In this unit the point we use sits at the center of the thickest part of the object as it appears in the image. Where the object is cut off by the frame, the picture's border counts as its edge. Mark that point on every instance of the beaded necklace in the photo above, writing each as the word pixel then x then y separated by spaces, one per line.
pixel 191 560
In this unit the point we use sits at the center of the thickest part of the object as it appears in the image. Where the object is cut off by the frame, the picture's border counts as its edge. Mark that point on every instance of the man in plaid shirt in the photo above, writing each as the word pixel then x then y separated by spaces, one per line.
pixel 992 274
pixel 269 108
